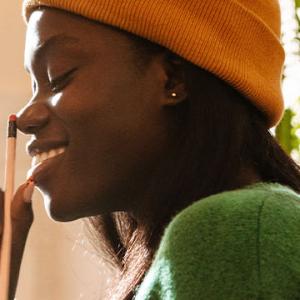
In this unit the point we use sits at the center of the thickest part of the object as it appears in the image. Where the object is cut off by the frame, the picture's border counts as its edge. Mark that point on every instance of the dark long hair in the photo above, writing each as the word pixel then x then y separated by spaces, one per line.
pixel 219 132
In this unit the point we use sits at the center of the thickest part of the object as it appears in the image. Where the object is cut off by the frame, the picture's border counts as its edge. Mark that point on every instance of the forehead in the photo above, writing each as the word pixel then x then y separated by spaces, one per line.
pixel 46 23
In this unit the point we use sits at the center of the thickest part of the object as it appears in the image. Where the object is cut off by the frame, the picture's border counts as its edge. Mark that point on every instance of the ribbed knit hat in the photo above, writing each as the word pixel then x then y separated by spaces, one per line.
pixel 236 40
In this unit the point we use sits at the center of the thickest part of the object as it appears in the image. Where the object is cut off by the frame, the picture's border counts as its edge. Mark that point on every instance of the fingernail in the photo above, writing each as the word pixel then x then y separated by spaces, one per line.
pixel 28 191
pixel 30 179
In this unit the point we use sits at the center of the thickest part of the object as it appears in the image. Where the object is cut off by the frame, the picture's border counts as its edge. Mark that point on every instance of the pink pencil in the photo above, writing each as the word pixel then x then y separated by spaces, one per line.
pixel 8 196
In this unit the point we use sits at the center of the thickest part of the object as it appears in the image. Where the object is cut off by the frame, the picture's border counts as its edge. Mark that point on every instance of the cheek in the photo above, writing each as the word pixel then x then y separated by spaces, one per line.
pixel 102 106
pixel 117 136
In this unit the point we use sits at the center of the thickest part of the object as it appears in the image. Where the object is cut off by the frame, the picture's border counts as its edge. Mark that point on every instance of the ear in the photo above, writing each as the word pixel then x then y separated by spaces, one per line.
pixel 174 76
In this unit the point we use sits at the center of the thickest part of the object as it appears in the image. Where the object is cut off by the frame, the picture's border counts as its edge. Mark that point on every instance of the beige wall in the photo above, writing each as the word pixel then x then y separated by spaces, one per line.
pixel 58 262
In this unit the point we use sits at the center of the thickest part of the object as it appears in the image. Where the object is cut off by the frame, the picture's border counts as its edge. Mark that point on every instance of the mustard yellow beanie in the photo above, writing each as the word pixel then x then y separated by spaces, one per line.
pixel 236 40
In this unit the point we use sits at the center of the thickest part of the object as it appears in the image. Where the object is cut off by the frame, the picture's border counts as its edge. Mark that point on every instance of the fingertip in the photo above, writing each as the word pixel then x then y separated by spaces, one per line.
pixel 28 192
pixel 21 190
pixel 21 211
pixel 30 179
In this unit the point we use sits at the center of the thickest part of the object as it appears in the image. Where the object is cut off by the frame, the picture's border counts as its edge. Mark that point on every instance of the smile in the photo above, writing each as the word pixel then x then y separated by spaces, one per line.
pixel 45 163
pixel 41 157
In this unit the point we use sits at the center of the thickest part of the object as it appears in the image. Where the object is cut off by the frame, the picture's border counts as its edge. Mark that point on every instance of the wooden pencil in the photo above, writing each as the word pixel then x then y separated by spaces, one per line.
pixel 8 196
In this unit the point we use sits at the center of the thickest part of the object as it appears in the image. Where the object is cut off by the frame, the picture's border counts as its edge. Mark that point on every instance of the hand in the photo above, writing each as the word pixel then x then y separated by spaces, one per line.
pixel 22 219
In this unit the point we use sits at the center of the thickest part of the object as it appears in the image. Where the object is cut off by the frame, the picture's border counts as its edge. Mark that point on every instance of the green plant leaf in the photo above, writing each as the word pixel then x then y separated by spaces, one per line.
pixel 283 132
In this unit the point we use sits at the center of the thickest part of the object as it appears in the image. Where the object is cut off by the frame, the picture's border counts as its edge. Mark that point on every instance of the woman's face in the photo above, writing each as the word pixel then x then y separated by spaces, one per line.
pixel 91 103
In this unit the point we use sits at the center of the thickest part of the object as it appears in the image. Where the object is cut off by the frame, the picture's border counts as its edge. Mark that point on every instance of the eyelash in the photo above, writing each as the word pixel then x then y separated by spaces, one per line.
pixel 55 84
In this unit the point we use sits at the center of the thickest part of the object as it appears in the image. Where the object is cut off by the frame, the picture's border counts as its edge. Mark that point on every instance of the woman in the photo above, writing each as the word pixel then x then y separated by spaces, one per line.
pixel 151 119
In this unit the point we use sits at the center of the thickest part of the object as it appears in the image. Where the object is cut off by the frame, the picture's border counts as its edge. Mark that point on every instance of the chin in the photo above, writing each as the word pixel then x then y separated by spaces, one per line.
pixel 58 213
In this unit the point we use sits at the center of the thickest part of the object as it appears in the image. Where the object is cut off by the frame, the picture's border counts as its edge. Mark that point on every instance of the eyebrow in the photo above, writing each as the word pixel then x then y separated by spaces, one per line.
pixel 52 42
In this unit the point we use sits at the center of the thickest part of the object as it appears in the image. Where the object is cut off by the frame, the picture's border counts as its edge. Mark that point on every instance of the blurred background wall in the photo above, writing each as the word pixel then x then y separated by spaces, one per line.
pixel 58 262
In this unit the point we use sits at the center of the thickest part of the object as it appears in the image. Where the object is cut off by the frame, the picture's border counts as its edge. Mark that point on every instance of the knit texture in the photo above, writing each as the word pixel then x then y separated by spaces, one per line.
pixel 236 40
pixel 241 244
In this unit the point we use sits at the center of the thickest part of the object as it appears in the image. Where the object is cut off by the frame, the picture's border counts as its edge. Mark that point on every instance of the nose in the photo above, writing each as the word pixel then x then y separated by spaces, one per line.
pixel 33 117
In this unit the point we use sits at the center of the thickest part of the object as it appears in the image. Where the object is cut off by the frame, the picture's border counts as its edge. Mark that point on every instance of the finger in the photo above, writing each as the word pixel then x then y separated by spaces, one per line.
pixel 22 218
pixel 21 208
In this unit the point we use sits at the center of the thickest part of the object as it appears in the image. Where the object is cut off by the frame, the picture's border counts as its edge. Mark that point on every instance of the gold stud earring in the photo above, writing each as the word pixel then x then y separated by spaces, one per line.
pixel 174 95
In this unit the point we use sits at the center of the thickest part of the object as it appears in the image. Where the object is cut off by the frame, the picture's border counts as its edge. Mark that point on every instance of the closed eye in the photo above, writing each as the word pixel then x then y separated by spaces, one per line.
pixel 60 82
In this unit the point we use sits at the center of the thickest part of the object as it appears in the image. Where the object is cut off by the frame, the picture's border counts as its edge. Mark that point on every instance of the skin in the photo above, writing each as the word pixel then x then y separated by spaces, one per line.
pixel 21 221
pixel 111 115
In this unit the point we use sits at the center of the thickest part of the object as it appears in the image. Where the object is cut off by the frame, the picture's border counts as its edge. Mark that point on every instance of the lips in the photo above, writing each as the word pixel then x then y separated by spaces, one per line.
pixel 45 155
pixel 44 146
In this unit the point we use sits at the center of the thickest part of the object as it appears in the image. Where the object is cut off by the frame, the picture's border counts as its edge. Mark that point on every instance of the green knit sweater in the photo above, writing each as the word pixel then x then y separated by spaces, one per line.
pixel 235 245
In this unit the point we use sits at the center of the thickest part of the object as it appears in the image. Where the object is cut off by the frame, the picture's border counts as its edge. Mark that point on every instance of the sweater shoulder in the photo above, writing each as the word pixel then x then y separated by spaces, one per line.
pixel 238 244
pixel 240 204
